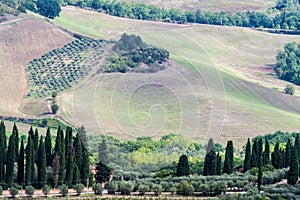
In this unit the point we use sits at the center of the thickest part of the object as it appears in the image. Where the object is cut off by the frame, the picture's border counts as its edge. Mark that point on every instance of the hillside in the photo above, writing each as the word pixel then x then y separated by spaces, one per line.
pixel 215 88
pixel 23 39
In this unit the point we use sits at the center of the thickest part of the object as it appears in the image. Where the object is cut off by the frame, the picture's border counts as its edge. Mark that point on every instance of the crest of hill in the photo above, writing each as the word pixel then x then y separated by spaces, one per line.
pixel 22 40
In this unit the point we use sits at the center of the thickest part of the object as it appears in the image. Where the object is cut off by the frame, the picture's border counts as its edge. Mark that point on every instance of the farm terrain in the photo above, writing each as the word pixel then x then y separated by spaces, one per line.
pixel 219 82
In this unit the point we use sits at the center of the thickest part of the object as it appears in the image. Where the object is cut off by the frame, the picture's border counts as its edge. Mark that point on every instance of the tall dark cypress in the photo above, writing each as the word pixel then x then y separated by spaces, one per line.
pixel 20 173
pixel 287 154
pixel 2 151
pixel 85 169
pixel 266 154
pixel 70 170
pixel 297 144
pixel 183 168
pixel 219 163
pixel 68 142
pixel 210 145
pixel 15 132
pixel 228 163
pixel 36 145
pixel 76 175
pixel 259 152
pixel 10 160
pixel 293 173
pixel 60 152
pixel 102 154
pixel 276 156
pixel 48 148
pixel 210 164
pixel 78 152
pixel 254 155
pixel 259 178
pixel 29 171
pixel 69 156
pixel 247 163
pixel 42 171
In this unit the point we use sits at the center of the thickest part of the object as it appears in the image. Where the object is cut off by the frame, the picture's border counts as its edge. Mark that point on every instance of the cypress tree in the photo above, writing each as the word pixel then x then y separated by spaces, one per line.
pixel 36 145
pixel 247 163
pixel 20 174
pixel 219 163
pixel 76 175
pixel 210 164
pixel 259 152
pixel 266 154
pixel 78 152
pixel 102 156
pixel 16 133
pixel 10 160
pixel 297 144
pixel 276 156
pixel 287 154
pixel 294 167
pixel 70 170
pixel 254 155
pixel 228 163
pixel 85 169
pixel 2 151
pixel 259 178
pixel 42 172
pixel 183 168
pixel 210 145
pixel 31 132
pixel 82 135
pixel 48 148
pixel 29 171
pixel 68 142
pixel 60 146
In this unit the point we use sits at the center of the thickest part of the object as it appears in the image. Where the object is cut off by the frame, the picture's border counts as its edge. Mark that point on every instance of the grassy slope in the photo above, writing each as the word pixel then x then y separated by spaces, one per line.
pixel 213 5
pixel 210 96
pixel 22 40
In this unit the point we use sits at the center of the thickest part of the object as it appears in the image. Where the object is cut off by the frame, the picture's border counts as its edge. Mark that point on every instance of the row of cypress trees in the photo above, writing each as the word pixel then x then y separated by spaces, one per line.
pixel 41 162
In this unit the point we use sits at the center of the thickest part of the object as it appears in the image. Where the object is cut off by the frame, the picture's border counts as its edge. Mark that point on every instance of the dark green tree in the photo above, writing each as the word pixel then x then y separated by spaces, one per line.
pixel 259 152
pixel 228 163
pixel 254 155
pixel 48 8
pixel 210 145
pixel 21 158
pixel 48 148
pixel 210 164
pixel 85 169
pixel 76 175
pixel 78 152
pixel 70 170
pixel 293 173
pixel 15 132
pixel 10 160
pixel 219 163
pixel 103 173
pixel 42 172
pixel 297 144
pixel 287 153
pixel 266 154
pixel 276 156
pixel 83 137
pixel 36 145
pixel 29 171
pixel 102 156
pixel 183 168
pixel 247 160
pixel 2 151
pixel 259 178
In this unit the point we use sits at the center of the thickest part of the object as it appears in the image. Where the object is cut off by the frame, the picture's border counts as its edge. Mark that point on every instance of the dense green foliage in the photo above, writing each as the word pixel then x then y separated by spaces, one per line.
pixel 288 64
pixel 293 173
pixel 183 168
pixel 228 163
pixel 247 160
pixel 48 8
pixel 131 52
pixel 284 20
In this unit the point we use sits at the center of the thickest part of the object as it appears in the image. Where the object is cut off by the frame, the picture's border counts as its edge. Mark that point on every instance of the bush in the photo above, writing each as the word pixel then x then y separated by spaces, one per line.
pixel 112 188
pixel 185 189
pixel 97 188
pixel 54 107
pixel 126 188
pixel 173 190
pixel 64 190
pixel 13 191
pixel 289 89
pixel 143 189
pixel 157 189
pixel 79 188
pixel 29 190
pixel 46 190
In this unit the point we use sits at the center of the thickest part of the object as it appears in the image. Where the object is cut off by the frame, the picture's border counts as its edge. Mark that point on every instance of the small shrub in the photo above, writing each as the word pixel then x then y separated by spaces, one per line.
pixel 13 192
pixel 54 107
pixel 29 190
pixel 157 189
pixel 126 188
pixel 79 188
pixel 173 190
pixel 63 190
pixel 143 189
pixel 97 188
pixel 112 188
pixel 46 190
pixel 289 89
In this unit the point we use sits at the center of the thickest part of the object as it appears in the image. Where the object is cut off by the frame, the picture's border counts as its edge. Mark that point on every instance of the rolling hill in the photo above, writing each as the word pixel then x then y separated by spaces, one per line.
pixel 221 85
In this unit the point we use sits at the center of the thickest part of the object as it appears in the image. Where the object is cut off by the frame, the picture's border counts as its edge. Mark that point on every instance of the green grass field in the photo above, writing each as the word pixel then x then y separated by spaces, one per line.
pixel 218 86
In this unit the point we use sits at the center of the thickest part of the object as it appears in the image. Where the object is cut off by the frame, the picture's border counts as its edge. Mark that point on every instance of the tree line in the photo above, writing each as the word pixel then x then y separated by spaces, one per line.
pixel 40 161
pixel 256 156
